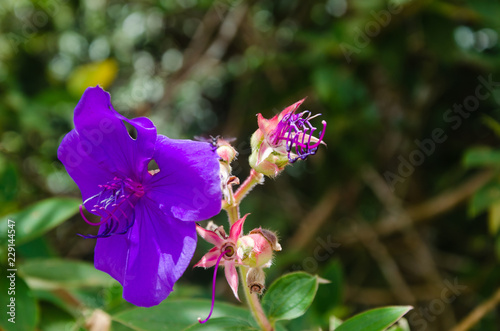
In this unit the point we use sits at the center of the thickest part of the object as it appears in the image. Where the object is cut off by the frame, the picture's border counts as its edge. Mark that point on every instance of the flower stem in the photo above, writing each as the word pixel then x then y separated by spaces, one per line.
pixel 233 211
pixel 253 179
pixel 254 303
pixel 232 206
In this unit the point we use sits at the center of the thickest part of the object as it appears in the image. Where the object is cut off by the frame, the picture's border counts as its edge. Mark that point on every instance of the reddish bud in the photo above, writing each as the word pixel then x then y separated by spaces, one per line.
pixel 255 250
pixel 270 236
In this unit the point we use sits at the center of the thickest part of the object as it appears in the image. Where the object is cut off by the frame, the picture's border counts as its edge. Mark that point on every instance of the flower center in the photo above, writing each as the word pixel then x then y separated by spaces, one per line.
pixel 229 250
pixel 115 204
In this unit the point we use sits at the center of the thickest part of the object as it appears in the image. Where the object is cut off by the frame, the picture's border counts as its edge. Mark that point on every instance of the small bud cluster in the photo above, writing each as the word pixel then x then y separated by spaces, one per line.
pixel 254 250
pixel 227 154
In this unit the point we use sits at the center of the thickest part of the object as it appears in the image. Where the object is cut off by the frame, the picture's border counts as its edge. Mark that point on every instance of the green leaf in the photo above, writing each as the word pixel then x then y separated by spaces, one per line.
pixel 492 123
pixel 481 156
pixel 279 327
pixel 9 178
pixel 497 247
pixel 223 323
pixel 485 197
pixel 494 218
pixel 177 315
pixel 56 273
pixel 374 320
pixel 330 295
pixel 334 322
pixel 39 218
pixel 53 318
pixel 489 10
pixel 25 308
pixel 401 325
pixel 290 296
pixel 37 248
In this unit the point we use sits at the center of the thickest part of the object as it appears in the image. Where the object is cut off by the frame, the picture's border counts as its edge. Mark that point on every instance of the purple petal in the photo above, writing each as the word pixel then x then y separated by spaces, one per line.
pixel 188 184
pixel 100 147
pixel 150 258
pixel 84 170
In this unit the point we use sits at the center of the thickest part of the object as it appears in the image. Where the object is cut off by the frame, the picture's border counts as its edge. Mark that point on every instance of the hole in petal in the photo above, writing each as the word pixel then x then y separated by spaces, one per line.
pixel 153 167
pixel 132 131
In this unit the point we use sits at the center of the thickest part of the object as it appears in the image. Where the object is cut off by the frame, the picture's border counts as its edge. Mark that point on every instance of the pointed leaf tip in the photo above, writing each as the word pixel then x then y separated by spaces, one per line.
pixel 378 319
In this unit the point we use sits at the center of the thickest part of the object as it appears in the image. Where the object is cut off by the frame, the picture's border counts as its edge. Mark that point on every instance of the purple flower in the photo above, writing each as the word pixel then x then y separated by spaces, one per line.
pixel 147 231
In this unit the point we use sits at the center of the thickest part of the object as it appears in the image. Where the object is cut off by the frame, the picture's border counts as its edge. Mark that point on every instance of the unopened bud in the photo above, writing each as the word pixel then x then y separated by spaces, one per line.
pixel 226 152
pixel 211 226
pixel 256 280
pixel 254 250
pixel 218 229
pixel 271 166
pixel 226 179
pixel 270 236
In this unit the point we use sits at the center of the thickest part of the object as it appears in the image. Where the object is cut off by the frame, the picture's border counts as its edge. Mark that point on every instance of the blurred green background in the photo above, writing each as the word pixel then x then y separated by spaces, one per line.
pixel 403 202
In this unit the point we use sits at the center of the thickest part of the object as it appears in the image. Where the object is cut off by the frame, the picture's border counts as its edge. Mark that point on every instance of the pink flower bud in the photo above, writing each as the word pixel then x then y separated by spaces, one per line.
pixel 254 250
pixel 270 236
pixel 225 151
pixel 271 166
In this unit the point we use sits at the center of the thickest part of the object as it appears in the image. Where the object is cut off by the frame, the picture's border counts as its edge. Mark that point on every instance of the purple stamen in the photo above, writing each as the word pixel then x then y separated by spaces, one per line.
pixel 213 288
pixel 110 204
pixel 89 222
pixel 297 131
pixel 321 135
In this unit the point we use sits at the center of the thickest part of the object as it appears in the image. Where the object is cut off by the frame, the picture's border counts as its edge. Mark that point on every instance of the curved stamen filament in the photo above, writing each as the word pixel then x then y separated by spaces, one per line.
pixel 322 134
pixel 110 217
pixel 213 287
pixel 89 222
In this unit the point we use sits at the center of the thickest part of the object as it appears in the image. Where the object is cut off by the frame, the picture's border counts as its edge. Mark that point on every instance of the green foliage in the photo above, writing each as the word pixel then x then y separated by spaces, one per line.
pixel 25 308
pixel 331 294
pixel 482 157
pixel 182 314
pixel 36 220
pixel 290 296
pixel 402 325
pixel 378 319
pixel 63 273
pixel 485 197
pixel 223 324
pixel 488 196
